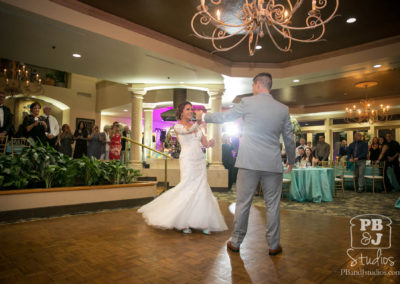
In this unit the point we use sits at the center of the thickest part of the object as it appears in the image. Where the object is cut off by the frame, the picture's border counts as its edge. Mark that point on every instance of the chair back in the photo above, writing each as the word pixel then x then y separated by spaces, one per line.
pixel 326 164
pixel 18 144
pixel 339 169
pixel 3 144
pixel 378 169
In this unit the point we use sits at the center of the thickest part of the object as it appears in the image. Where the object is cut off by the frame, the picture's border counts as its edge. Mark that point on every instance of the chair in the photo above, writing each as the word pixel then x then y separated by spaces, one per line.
pixel 326 164
pixel 339 176
pixel 285 185
pixel 18 144
pixel 377 174
pixel 3 144
pixel 348 176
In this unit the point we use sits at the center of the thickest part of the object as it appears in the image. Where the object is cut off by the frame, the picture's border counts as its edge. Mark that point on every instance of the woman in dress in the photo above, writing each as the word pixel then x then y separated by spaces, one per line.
pixel 94 143
pixel 191 203
pixel 65 140
pixel 80 136
pixel 35 125
pixel 374 151
pixel 115 142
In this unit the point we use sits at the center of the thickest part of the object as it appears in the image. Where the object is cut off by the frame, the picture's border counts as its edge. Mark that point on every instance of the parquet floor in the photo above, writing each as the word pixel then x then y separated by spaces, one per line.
pixel 118 247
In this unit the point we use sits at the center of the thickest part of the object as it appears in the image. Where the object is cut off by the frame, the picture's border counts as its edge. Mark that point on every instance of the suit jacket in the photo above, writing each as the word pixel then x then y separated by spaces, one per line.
pixel 7 122
pixel 264 121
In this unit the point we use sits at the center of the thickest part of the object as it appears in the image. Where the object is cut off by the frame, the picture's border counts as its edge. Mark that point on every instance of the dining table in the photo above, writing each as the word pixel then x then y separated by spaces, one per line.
pixel 312 184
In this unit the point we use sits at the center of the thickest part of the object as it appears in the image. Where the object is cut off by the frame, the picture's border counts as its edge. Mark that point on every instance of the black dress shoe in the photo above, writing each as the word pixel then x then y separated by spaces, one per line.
pixel 275 251
pixel 232 247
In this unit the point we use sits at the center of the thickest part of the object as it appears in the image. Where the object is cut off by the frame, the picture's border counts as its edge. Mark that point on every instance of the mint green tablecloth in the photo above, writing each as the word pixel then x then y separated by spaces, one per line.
pixel 311 184
pixel 397 205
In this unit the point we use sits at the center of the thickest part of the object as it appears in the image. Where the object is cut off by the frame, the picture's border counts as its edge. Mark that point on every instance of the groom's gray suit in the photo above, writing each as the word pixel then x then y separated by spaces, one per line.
pixel 259 158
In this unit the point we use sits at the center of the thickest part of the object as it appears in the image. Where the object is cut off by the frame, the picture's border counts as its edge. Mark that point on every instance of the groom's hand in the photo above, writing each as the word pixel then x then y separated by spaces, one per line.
pixel 199 115
pixel 289 169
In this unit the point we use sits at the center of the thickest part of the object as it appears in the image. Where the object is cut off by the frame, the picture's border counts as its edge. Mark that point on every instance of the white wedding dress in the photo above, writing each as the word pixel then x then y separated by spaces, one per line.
pixel 190 204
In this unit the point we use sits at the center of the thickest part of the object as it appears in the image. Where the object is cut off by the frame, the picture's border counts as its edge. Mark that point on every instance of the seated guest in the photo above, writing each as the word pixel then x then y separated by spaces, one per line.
pixel 374 151
pixel 308 158
pixel 80 136
pixel 343 149
pixel 6 126
pixel 35 125
pixel 322 150
pixel 94 143
pixel 302 145
pixel 299 157
pixel 358 151
pixel 65 140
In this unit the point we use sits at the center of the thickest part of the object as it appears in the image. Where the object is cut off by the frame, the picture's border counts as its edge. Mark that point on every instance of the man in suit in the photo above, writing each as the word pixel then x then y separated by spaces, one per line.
pixel 53 127
pixel 259 158
pixel 6 126
pixel 228 160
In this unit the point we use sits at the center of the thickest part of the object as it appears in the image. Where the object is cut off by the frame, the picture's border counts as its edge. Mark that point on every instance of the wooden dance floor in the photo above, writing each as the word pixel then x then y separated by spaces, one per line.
pixel 118 247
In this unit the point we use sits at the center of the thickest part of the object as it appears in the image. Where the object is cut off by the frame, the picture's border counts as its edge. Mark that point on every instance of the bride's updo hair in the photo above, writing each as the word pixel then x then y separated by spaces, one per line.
pixel 180 109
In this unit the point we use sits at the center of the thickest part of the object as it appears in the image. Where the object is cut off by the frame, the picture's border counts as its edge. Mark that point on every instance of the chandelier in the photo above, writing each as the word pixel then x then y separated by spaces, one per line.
pixel 19 80
pixel 367 110
pixel 257 17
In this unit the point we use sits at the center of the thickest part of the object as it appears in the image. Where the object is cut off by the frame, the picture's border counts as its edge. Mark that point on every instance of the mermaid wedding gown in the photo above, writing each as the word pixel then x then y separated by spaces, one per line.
pixel 190 204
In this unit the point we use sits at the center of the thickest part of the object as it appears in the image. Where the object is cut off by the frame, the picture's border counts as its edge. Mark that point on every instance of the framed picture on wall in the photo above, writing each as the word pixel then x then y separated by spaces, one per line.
pixel 89 123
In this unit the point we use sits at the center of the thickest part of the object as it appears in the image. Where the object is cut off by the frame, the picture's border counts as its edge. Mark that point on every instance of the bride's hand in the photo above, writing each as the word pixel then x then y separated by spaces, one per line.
pixel 211 143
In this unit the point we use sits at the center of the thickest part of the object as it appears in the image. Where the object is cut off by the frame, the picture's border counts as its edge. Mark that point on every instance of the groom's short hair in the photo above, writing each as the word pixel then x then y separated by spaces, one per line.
pixel 265 80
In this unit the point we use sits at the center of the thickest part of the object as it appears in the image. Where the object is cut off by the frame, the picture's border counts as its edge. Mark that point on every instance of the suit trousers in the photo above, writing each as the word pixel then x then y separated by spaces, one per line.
pixel 247 181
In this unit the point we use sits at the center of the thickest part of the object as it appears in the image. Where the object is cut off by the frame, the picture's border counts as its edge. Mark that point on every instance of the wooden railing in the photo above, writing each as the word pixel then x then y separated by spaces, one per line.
pixel 158 152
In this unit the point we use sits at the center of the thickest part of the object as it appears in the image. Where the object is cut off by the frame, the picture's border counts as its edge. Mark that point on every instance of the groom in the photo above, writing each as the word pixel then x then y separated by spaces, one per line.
pixel 259 158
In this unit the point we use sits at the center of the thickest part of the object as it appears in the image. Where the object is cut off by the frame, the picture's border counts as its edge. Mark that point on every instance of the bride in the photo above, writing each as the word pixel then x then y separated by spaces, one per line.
pixel 191 203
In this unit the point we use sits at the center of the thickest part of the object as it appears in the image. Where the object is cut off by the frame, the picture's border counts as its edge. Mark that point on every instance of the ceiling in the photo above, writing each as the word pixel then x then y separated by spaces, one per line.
pixel 32 33
pixel 375 20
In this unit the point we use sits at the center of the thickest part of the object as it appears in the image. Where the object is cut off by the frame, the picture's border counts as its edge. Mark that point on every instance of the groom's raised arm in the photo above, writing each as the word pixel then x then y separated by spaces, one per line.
pixel 229 115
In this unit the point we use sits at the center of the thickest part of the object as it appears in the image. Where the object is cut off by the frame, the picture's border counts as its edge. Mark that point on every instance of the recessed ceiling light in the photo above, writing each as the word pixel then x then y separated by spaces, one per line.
pixel 77 55
pixel 305 123
pixel 351 20
pixel 125 110
pixel 258 47
pixel 296 80
pixel 181 82
pixel 377 65
pixel 33 96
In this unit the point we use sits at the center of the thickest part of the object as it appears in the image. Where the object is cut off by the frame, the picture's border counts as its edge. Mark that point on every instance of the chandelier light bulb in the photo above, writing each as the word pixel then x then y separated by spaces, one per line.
pixel 218 15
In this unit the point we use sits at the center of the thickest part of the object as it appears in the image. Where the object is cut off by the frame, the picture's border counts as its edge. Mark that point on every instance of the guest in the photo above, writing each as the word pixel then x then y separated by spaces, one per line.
pixel 358 151
pixel 105 147
pixel 300 156
pixel 322 150
pixel 307 159
pixel 302 145
pixel 228 160
pixel 35 125
pixel 94 143
pixel 52 125
pixel 343 150
pixel 65 140
pixel 80 136
pixel 115 143
pixel 381 143
pixel 390 154
pixel 374 151
pixel 124 152
pixel 6 126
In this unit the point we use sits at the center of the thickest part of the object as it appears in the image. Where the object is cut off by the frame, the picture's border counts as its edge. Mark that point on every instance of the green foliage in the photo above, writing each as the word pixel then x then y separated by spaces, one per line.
pixel 43 166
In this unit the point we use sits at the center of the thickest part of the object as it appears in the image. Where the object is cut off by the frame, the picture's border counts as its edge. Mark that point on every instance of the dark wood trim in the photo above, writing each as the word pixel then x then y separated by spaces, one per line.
pixel 56 211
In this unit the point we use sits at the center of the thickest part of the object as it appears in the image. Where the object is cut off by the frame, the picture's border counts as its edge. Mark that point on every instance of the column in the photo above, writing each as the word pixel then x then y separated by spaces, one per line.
pixel 328 136
pixel 148 131
pixel 350 137
pixel 136 128
pixel 372 131
pixel 216 129
pixel 309 137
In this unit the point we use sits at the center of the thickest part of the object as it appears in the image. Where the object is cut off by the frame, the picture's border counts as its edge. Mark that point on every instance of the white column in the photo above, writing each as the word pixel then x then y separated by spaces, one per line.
pixel 350 137
pixel 216 129
pixel 148 131
pixel 328 137
pixel 136 128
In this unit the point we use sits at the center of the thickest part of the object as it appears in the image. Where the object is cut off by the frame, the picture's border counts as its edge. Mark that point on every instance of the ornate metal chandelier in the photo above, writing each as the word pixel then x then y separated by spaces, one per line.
pixel 18 80
pixel 275 17
pixel 367 110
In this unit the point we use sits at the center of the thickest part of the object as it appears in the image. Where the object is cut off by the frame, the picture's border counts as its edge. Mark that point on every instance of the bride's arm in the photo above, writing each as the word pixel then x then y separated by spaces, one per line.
pixel 180 129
